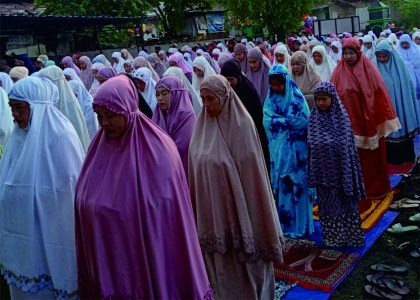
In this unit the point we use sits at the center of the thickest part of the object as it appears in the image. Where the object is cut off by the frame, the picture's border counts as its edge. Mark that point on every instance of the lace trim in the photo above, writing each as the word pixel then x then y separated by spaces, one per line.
pixel 248 249
pixel 372 142
pixel 209 294
pixel 35 284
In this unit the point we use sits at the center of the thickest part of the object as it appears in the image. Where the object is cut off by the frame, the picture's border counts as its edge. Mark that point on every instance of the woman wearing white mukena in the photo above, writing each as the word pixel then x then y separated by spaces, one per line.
pixel 38 173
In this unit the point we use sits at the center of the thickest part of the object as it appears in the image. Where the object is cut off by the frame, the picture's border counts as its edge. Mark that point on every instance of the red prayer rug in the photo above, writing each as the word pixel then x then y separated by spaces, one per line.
pixel 402 169
pixel 313 267
pixel 371 211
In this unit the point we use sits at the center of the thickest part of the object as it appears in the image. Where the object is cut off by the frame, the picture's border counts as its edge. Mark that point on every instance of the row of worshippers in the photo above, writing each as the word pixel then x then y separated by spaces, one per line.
pixel 225 200
pixel 323 55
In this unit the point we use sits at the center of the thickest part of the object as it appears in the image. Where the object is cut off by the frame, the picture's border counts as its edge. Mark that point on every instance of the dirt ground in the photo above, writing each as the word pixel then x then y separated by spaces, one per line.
pixel 385 249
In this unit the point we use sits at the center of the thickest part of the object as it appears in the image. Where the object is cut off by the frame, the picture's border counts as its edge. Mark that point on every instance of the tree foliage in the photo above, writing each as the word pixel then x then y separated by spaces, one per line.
pixel 171 13
pixel 280 16
pixel 93 7
pixel 410 11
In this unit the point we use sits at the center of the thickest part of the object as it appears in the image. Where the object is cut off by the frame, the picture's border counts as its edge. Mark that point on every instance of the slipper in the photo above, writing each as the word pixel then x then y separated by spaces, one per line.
pixel 388 268
pixel 403 204
pixel 390 283
pixel 409 249
pixel 410 201
pixel 371 290
pixel 415 253
pixel 415 218
pixel 398 229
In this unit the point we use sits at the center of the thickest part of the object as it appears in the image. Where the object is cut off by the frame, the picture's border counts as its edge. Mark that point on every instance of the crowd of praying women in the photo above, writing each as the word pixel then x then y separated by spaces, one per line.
pixel 179 174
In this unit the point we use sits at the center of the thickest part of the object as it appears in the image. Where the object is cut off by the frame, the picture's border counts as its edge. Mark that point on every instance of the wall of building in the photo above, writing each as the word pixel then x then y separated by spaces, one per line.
pixel 341 11
pixel 363 14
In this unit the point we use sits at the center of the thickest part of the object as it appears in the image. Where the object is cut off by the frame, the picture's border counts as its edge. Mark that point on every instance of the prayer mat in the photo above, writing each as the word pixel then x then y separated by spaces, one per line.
pixel 402 169
pixel 299 293
pixel 314 267
pixel 371 211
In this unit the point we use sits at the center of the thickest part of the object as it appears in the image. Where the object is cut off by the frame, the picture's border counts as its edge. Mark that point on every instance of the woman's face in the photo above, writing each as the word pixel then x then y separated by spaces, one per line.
pixel 317 58
pixel 82 65
pixel 94 72
pixel 68 78
pixel 21 112
pixel 334 49
pixel 163 97
pixel 368 45
pixel 233 81
pixel 198 72
pixel 115 60
pixel 39 65
pixel 323 101
pixel 140 84
pixel 417 40
pixel 66 65
pixel 297 68
pixel 280 58
pixel 113 124
pixel 173 64
pixel 100 78
pixel 405 45
pixel 277 86
pixel 382 57
pixel 211 102
pixel 161 56
pixel 254 64
pixel 127 68
pixel 350 56
pixel 240 56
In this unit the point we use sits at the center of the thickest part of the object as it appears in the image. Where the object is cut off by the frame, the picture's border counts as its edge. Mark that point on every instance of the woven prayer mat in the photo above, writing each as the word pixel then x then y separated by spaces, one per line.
pixel 314 267
pixel 371 211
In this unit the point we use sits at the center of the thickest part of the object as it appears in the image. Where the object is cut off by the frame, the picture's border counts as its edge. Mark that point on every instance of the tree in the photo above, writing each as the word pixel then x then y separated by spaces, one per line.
pixel 410 11
pixel 92 7
pixel 280 16
pixel 171 13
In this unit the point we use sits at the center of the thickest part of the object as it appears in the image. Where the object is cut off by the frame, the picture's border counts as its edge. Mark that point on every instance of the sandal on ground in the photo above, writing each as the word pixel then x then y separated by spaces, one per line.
pixel 386 268
pixel 386 282
pixel 410 201
pixel 403 204
pixel 399 229
pixel 378 293
pixel 409 249
pixel 415 218
pixel 415 253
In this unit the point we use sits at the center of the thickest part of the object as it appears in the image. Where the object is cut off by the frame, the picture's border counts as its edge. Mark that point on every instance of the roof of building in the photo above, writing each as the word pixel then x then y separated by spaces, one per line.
pixel 19 8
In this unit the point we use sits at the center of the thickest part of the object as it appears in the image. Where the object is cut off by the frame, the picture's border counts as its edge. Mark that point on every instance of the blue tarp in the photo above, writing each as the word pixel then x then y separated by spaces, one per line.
pixel 215 22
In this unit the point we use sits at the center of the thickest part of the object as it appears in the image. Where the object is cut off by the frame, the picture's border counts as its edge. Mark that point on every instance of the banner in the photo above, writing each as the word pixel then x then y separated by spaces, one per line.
pixel 215 22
